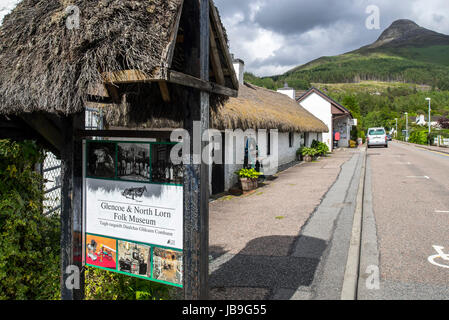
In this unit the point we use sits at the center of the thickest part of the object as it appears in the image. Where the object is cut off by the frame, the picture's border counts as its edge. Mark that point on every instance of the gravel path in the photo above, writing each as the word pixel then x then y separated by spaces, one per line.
pixel 252 237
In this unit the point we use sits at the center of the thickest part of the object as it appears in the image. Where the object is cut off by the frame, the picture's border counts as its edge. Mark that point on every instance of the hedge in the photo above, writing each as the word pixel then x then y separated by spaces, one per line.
pixel 29 241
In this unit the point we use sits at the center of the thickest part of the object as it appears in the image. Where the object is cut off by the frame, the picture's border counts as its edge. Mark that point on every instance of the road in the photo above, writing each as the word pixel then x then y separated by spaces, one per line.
pixel 406 218
pixel 401 201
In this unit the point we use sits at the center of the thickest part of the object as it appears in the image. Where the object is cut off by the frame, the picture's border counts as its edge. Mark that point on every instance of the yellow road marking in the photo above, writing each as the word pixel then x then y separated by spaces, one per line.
pixel 444 154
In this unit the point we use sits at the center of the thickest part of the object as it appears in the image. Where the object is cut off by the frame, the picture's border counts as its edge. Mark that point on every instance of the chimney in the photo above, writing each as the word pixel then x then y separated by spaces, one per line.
pixel 239 67
pixel 290 92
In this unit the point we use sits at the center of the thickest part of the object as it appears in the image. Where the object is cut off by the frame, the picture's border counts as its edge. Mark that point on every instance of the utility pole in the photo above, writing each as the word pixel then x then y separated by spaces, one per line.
pixel 396 127
pixel 406 126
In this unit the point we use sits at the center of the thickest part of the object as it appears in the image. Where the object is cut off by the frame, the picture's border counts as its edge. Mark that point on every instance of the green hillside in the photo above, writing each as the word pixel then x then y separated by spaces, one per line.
pixel 405 52
pixel 427 66
pixel 379 103
pixel 381 81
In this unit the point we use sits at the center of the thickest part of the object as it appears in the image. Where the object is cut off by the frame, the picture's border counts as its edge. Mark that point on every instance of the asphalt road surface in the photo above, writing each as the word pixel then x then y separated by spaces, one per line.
pixel 406 221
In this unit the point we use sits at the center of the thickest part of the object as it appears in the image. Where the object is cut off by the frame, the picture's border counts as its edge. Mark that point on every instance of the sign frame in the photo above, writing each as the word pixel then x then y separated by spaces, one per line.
pixel 177 252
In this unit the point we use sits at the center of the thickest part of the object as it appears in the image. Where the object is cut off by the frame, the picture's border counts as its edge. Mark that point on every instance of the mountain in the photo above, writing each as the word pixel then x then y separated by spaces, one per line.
pixel 404 52
pixel 406 33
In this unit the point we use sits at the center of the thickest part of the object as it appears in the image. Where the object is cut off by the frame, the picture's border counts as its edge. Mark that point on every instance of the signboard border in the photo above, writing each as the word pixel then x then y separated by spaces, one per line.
pixel 151 278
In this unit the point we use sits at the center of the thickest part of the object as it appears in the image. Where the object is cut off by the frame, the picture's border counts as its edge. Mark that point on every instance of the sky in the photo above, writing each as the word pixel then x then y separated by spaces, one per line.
pixel 274 36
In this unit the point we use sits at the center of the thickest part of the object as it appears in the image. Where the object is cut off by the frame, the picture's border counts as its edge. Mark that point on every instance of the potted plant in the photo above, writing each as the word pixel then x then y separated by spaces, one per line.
pixel 248 178
pixel 308 154
pixel 322 149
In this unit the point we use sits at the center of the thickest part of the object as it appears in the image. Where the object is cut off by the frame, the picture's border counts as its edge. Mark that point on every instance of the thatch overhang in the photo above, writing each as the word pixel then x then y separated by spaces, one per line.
pixel 120 46
pixel 260 108
pixel 254 108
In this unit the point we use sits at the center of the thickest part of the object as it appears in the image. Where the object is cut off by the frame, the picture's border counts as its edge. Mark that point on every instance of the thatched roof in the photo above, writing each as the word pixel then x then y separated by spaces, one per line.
pixel 260 108
pixel 47 67
pixel 254 108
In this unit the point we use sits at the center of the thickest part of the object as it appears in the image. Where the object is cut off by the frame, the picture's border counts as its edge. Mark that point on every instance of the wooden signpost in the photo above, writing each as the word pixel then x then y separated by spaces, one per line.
pixel 197 30
pixel 196 175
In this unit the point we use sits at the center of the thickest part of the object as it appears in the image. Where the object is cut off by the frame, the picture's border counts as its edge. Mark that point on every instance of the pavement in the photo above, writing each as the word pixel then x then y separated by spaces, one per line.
pixel 406 213
pixel 292 238
pixel 288 240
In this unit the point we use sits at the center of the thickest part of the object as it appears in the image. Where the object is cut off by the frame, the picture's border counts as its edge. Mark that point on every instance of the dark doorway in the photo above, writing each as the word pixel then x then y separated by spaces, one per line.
pixel 218 174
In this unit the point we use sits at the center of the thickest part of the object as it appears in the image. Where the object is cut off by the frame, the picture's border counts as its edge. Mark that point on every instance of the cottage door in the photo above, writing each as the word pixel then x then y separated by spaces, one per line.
pixel 218 175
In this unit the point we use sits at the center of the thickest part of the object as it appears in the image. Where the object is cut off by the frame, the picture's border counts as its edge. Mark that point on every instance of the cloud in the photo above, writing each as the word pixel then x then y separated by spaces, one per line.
pixel 5 7
pixel 273 36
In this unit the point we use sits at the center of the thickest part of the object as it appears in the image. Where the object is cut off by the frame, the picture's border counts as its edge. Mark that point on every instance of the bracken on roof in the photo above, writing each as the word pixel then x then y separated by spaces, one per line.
pixel 254 108
pixel 47 67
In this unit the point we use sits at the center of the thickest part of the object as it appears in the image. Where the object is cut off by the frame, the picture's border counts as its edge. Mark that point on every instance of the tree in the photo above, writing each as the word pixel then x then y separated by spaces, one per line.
pixel 444 123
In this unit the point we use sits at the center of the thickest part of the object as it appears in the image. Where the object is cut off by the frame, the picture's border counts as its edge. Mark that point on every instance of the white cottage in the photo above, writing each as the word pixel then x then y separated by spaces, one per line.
pixel 336 117
pixel 261 110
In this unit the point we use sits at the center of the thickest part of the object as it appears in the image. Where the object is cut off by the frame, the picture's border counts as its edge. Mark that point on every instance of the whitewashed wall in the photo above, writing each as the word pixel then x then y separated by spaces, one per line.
pixel 321 109
pixel 286 153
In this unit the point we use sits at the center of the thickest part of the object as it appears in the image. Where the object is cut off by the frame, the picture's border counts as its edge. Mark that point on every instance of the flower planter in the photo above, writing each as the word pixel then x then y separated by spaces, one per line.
pixel 254 183
pixel 248 184
pixel 308 158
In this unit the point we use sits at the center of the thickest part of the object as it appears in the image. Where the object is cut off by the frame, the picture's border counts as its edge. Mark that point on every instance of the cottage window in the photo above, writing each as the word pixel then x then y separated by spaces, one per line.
pixel 291 139
pixel 268 143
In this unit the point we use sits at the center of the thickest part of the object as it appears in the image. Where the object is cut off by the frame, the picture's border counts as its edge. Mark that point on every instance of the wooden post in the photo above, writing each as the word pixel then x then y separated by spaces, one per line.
pixel 196 175
pixel 71 209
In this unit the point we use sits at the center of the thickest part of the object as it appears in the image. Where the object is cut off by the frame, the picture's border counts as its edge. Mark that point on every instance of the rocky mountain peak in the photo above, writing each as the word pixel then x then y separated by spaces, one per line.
pixel 398 29
pixel 407 33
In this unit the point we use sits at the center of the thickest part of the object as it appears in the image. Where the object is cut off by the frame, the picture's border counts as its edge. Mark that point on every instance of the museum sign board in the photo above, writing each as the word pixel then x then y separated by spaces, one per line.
pixel 133 209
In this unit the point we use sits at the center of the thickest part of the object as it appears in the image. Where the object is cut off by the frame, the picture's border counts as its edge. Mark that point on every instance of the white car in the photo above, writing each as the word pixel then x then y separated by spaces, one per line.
pixel 377 137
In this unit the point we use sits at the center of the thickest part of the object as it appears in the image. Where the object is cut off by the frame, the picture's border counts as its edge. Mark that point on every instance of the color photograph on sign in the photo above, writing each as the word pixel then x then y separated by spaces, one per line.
pixel 133 222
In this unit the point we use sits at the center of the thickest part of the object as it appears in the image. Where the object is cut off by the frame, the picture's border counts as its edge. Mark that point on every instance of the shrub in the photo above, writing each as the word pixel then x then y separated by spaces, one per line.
pixel 320 147
pixel 248 173
pixel 29 242
pixel 315 144
pixel 418 137
pixel 444 123
pixel 106 285
pixel 309 152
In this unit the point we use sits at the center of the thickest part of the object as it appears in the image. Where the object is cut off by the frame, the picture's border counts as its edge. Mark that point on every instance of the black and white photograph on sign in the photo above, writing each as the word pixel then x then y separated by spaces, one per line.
pixel 167 265
pixel 162 169
pixel 134 258
pixel 101 160
pixel 133 162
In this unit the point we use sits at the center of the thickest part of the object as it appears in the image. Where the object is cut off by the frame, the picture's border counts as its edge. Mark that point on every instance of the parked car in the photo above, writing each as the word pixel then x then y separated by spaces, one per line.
pixel 377 137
